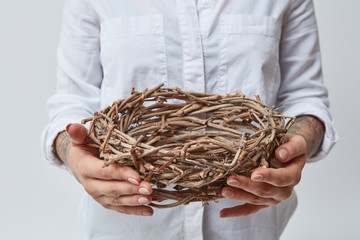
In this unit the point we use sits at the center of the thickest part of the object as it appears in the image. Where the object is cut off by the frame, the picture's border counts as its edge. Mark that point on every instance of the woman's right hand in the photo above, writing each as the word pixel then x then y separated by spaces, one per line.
pixel 114 187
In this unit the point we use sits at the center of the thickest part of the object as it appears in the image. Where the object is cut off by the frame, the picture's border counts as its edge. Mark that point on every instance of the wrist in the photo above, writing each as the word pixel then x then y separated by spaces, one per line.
pixel 62 146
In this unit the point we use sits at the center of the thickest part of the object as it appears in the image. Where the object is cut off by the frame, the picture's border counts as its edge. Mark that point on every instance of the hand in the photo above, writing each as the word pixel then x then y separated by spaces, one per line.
pixel 114 187
pixel 268 186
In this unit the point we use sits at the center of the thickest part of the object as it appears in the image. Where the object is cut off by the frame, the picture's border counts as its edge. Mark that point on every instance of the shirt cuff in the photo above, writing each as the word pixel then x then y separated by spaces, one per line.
pixel 48 137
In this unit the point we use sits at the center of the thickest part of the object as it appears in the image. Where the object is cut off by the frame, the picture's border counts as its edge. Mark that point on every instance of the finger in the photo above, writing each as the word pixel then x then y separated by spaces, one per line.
pixel 96 187
pixel 263 190
pixel 94 168
pixel 289 175
pixel 295 146
pixel 244 196
pixel 132 210
pixel 128 200
pixel 77 133
pixel 242 210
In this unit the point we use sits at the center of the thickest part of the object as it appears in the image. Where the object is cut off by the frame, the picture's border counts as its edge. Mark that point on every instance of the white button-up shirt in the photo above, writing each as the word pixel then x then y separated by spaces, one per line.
pixel 265 47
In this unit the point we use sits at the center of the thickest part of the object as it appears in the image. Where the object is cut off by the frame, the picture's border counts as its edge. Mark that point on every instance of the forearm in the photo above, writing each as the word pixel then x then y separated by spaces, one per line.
pixel 62 146
pixel 312 129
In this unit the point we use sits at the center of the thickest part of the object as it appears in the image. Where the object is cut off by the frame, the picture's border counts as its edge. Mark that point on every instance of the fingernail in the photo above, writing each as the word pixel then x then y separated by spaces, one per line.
pixel 257 178
pixel 228 194
pixel 143 201
pixel 233 183
pixel 133 181
pixel 283 154
pixel 147 213
pixel 67 127
pixel 144 191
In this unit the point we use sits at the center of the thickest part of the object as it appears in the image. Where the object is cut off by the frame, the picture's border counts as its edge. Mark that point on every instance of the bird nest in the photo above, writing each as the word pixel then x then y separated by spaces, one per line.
pixel 187 143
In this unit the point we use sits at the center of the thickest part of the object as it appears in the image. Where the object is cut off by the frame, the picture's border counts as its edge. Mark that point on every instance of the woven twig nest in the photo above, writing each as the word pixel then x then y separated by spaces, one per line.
pixel 191 141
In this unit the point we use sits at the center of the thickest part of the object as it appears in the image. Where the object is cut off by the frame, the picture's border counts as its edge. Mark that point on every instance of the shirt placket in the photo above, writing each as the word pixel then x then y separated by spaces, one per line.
pixel 194 80
pixel 193 56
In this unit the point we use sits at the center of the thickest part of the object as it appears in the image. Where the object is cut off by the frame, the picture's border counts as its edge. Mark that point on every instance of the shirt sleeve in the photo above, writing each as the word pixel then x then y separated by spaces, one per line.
pixel 302 91
pixel 79 74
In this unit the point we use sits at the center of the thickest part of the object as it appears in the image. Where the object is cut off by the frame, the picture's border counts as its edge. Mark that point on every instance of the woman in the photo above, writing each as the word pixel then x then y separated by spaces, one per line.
pixel 269 48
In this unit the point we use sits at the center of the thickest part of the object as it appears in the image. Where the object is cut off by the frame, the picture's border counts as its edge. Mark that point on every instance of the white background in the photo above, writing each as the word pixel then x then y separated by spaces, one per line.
pixel 38 201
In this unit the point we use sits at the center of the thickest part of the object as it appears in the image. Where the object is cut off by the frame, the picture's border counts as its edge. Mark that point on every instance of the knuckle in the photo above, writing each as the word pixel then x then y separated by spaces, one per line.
pixel 265 192
pixel 256 200
pixel 282 180
pixel 129 189
pixel 287 194
pixel 106 172
pixel 245 184
pixel 116 201
pixel 301 140
pixel 111 191
pixel 122 170
pixel 300 144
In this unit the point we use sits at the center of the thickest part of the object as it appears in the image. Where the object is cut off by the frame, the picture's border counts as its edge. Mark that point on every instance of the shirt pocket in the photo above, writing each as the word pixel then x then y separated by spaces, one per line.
pixel 249 54
pixel 132 54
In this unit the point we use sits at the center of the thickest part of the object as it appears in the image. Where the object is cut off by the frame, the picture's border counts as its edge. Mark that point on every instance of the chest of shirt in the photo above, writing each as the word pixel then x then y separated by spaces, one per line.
pixel 212 46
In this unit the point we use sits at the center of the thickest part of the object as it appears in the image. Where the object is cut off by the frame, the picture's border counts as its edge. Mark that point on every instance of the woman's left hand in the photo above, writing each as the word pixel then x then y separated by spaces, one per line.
pixel 267 186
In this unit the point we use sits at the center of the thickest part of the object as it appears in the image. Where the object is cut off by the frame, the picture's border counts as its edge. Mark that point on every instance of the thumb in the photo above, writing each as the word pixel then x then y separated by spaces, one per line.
pixel 294 146
pixel 77 133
